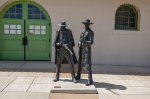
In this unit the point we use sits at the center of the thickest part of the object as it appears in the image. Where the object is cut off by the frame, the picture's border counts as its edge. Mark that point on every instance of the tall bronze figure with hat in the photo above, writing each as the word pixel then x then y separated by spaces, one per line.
pixel 86 40
pixel 64 43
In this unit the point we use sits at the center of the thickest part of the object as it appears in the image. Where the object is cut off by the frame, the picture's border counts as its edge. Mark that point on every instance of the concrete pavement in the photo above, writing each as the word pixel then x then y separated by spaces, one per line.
pixel 29 80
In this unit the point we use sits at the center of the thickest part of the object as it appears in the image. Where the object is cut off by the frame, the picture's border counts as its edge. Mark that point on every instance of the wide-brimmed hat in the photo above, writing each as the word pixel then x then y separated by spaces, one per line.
pixel 87 21
pixel 62 24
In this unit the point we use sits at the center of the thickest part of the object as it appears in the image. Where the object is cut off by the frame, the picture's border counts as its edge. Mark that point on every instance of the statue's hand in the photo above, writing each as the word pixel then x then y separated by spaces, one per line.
pixel 59 44
pixel 64 44
pixel 79 44
pixel 87 43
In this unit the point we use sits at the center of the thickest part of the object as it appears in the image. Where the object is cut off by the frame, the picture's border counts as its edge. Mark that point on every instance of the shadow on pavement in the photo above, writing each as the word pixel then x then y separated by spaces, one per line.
pixel 110 87
pixel 47 66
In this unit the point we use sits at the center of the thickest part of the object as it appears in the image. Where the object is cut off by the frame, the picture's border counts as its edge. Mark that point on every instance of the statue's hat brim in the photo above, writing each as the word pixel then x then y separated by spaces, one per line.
pixel 87 22
pixel 62 24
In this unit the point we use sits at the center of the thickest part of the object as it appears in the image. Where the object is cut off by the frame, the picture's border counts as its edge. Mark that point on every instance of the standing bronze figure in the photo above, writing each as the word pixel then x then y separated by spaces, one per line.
pixel 86 40
pixel 64 43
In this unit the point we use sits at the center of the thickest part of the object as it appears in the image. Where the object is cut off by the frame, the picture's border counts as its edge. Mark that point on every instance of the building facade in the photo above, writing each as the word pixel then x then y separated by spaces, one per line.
pixel 122 29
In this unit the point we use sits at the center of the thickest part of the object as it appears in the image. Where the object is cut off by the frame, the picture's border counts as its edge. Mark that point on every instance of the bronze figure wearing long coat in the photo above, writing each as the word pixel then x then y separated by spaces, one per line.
pixel 86 40
pixel 64 50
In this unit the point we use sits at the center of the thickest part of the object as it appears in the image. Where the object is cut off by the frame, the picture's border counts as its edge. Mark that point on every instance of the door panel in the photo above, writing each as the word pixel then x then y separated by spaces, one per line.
pixel 11 39
pixel 38 47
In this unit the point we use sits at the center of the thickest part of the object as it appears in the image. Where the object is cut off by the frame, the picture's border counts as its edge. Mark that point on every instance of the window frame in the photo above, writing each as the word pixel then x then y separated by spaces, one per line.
pixel 134 11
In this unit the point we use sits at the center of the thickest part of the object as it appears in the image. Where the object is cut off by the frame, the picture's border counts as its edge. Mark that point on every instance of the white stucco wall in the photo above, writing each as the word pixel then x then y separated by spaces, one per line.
pixel 111 46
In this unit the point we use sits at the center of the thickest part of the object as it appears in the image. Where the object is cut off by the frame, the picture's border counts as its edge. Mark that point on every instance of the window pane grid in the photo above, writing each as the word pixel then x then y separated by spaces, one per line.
pixel 37 29
pixel 14 12
pixel 12 29
pixel 126 18
pixel 35 13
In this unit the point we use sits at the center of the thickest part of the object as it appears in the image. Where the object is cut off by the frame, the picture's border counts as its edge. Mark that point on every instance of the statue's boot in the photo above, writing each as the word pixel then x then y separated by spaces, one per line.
pixel 73 75
pixel 90 82
pixel 74 80
pixel 56 78
pixel 78 76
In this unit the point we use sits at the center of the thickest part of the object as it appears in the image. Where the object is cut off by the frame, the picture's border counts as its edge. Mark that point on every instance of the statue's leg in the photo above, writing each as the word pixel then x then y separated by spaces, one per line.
pixel 90 79
pixel 58 67
pixel 78 76
pixel 70 61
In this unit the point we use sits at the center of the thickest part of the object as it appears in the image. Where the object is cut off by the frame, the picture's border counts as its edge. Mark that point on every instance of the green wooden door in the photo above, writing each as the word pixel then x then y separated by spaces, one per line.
pixel 38 46
pixel 25 32
pixel 12 33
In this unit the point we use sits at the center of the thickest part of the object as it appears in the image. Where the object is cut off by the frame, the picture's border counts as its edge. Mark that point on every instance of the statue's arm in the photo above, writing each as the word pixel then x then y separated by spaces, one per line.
pixel 57 41
pixel 71 38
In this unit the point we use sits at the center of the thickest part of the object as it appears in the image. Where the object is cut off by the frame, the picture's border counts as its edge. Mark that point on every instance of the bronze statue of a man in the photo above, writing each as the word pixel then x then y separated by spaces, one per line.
pixel 64 43
pixel 86 40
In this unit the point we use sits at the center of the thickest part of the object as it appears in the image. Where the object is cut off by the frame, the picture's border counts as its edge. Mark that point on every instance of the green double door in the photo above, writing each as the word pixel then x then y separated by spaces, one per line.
pixel 25 40
pixel 24 32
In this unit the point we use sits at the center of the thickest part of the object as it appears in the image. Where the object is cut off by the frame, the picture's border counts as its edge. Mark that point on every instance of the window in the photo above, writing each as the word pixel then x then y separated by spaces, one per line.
pixel 35 13
pixel 37 29
pixel 12 29
pixel 126 17
pixel 14 12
